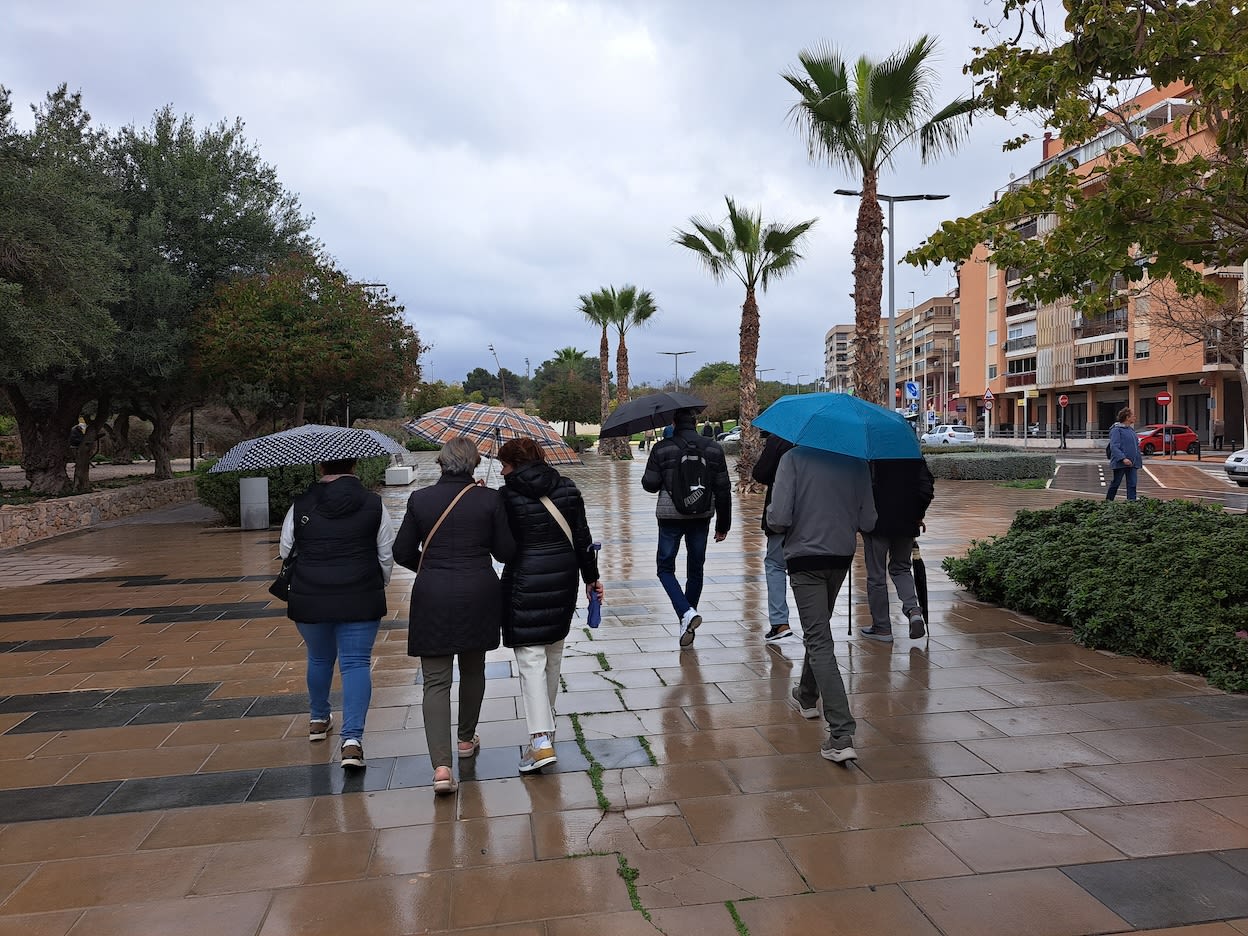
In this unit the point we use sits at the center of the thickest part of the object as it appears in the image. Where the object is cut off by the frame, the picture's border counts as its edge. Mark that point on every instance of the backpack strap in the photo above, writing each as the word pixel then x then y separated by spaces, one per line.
pixel 424 547
pixel 563 524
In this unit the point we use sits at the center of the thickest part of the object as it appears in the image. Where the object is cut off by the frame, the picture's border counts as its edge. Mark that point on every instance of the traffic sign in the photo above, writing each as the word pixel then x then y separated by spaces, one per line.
pixel 1163 399
pixel 931 417
pixel 1063 401
pixel 914 406
pixel 987 404
pixel 912 390
pixel 988 394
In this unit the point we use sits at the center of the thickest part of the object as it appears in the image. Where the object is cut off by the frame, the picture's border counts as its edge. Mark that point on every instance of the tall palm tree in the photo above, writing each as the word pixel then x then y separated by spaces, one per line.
pixel 755 254
pixel 598 309
pixel 632 307
pixel 858 119
pixel 569 356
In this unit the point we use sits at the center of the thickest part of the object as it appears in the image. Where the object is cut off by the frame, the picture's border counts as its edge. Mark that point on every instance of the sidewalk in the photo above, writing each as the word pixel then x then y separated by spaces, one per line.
pixel 155 776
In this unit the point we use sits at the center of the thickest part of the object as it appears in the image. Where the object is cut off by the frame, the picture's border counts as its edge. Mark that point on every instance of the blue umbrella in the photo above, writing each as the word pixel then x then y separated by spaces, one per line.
pixel 838 422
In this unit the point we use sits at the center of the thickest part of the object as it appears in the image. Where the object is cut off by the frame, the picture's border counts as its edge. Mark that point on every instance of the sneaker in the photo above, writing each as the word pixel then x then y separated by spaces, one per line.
pixel 537 755
pixel 838 750
pixel 812 712
pixel 918 626
pixel 318 728
pixel 352 755
pixel 689 623
pixel 777 633
pixel 877 633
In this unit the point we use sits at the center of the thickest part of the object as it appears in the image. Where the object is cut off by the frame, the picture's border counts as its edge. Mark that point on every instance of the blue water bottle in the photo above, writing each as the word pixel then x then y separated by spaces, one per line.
pixel 593 617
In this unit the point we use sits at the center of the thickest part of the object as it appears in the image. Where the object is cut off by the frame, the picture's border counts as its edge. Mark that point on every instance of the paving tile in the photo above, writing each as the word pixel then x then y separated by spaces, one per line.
pixel 1008 843
pixel 875 911
pixel 1160 781
pixel 286 862
pixel 702 920
pixel 919 761
pixel 742 818
pixel 1030 792
pixel 234 822
pixel 1166 891
pixel 1163 828
pixel 525 795
pixel 446 846
pixel 115 879
pixel 112 716
pixel 1040 903
pixel 33 804
pixel 39 924
pixel 318 780
pixel 122 765
pixel 706 873
pixel 83 837
pixel 238 913
pixel 941 726
pixel 378 907
pixel 174 792
pixel 519 892
pixel 907 802
pixel 1037 752
pixel 382 809
pixel 1234 808
pixel 790 772
pixel 863 857
pixel 645 786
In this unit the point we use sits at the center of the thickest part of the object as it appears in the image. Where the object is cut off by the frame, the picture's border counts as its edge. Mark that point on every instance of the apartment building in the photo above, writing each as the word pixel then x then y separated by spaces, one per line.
pixel 1034 356
pixel 927 354
pixel 837 358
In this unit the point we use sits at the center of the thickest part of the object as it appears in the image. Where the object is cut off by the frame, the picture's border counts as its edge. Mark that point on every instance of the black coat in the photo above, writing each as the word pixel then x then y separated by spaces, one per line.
pixel 337 576
pixel 661 469
pixel 903 489
pixel 765 469
pixel 541 583
pixel 456 599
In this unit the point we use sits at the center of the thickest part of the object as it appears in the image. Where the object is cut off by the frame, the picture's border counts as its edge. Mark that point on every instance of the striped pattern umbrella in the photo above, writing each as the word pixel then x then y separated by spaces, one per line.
pixel 489 427
pixel 304 445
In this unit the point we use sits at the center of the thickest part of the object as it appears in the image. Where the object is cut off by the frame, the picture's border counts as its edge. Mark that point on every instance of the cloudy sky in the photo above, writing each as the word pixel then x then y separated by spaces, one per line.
pixel 492 161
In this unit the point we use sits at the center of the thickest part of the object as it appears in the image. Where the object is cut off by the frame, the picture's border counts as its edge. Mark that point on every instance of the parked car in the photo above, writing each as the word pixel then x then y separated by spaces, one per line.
pixel 1237 467
pixel 1168 438
pixel 732 435
pixel 949 435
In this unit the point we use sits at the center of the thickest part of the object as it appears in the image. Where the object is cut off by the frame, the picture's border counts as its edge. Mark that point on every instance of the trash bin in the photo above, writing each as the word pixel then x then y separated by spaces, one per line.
pixel 253 503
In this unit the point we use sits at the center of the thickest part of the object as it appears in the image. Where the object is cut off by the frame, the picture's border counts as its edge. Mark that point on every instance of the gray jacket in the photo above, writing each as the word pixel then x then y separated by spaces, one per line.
pixel 820 501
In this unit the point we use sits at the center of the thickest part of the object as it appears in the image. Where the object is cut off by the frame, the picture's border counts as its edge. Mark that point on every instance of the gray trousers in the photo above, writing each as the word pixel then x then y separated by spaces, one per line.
pixel 815 594
pixel 888 557
pixel 439 672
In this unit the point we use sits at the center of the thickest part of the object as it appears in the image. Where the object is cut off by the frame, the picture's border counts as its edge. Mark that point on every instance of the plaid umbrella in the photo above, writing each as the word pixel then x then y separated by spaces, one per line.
pixel 489 427
pixel 304 445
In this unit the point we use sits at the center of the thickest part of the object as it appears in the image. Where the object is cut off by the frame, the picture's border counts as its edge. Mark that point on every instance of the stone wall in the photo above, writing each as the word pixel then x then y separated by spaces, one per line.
pixel 32 522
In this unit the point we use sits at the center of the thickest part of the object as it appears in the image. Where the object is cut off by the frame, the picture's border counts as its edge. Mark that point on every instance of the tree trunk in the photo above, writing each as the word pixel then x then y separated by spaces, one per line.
pixel 605 446
pixel 300 407
pixel 750 442
pixel 123 453
pixel 45 414
pixel 624 450
pixel 161 442
pixel 90 445
pixel 869 366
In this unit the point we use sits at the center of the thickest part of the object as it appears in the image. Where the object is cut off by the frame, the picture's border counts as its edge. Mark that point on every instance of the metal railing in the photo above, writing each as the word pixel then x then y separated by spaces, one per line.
pixel 1018 344
pixel 1025 379
pixel 1100 369
pixel 1112 325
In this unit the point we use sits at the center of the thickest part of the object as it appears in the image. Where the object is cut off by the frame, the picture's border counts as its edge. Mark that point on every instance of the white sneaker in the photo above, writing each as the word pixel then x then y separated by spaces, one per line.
pixel 689 623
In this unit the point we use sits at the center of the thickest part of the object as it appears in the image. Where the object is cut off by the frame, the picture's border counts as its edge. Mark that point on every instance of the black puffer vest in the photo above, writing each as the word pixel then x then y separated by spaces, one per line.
pixel 337 576
pixel 542 583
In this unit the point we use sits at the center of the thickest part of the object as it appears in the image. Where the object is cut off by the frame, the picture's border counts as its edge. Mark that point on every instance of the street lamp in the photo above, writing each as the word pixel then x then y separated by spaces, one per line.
pixel 799 381
pixel 675 356
pixel 501 379
pixel 892 304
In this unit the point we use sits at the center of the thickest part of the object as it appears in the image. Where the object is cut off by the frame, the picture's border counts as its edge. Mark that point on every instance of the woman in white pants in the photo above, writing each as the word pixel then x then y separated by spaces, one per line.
pixel 541 583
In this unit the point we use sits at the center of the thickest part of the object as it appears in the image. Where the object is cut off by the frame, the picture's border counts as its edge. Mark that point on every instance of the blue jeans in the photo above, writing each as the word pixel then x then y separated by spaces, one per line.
pixel 695 534
pixel 1130 473
pixel 351 644
pixel 777 581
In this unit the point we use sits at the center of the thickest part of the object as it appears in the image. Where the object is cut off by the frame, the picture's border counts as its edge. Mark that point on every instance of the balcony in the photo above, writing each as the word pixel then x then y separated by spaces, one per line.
pixel 1020 344
pixel 1025 379
pixel 1100 369
pixel 1108 325
pixel 1013 275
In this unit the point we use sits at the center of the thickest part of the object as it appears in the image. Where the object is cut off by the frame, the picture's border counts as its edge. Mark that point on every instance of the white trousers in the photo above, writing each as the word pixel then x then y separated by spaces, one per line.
pixel 539 684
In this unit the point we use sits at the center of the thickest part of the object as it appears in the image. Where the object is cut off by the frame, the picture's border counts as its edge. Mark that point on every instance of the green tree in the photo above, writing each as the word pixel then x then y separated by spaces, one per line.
pixel 598 309
pixel 435 395
pixel 480 380
pixel 719 384
pixel 755 254
pixel 566 360
pixel 1156 207
pixel 60 271
pixel 858 118
pixel 569 398
pixel 632 307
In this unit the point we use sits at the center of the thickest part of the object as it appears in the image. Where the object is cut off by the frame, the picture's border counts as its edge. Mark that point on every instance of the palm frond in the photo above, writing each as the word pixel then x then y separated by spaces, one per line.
pixel 712 261
pixel 745 226
pixel 947 128
pixel 777 266
pixel 778 238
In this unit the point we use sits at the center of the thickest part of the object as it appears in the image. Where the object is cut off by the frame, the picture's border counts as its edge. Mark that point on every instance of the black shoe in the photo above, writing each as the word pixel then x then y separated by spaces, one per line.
pixel 777 633
pixel 918 626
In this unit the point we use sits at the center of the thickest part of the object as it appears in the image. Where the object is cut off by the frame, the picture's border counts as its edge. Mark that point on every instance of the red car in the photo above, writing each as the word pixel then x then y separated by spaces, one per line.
pixel 1168 438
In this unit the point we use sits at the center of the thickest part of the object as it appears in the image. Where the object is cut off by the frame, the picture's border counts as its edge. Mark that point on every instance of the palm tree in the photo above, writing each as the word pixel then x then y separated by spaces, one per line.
pixel 859 121
pixel 632 307
pixel 569 355
pixel 598 309
pixel 755 254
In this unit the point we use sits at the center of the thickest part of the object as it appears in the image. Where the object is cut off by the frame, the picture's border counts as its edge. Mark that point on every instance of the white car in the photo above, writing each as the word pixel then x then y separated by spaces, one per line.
pixel 949 435
pixel 1237 467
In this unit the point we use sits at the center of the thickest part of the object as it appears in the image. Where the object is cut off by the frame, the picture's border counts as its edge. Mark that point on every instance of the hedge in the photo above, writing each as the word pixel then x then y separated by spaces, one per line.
pixel 220 491
pixel 1163 580
pixel 1003 465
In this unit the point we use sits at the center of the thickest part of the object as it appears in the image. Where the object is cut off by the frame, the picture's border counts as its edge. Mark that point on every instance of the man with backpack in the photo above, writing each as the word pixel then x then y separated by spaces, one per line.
pixel 690 475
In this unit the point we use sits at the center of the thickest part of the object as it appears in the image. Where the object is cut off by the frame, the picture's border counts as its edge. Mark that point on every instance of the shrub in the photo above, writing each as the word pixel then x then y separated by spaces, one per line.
pixel 8 424
pixel 420 445
pixel 1156 579
pixel 580 443
pixel 1004 465
pixel 220 491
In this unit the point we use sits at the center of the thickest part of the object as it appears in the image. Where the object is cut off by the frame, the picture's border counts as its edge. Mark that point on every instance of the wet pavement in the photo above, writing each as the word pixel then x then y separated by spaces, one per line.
pixel 155 776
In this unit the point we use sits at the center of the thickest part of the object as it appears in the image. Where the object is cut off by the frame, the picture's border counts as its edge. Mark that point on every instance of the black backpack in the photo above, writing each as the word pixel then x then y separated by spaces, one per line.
pixel 1109 451
pixel 690 492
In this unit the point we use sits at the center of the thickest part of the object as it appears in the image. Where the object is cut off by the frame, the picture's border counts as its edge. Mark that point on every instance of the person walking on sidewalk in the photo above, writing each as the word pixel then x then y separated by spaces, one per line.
pixel 1124 454
pixel 1219 433
pixel 903 489
pixel 773 562
pixel 342 539
pixel 820 501
pixel 690 475
pixel 449 533
pixel 554 553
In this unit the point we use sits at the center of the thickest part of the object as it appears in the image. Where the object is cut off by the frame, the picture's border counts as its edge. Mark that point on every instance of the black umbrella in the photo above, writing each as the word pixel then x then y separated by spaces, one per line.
pixel 652 411
pixel 920 578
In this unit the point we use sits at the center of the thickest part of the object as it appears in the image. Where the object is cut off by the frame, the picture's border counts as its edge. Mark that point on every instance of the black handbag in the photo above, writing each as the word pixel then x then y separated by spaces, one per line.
pixel 281 585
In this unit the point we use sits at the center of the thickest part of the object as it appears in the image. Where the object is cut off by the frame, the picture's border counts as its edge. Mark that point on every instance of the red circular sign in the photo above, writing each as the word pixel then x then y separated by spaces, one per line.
pixel 1163 399
pixel 987 404
pixel 1063 401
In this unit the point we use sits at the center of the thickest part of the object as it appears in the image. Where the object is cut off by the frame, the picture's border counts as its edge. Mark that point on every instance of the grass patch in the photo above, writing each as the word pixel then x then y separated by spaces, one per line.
pixel 739 923
pixel 1027 484
pixel 595 767
pixel 645 746
pixel 563 683
pixel 602 661
pixel 588 632
pixel 630 875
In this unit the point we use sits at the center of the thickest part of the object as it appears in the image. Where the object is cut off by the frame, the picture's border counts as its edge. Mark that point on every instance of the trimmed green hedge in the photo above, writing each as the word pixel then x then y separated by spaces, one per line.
pixel 420 445
pixel 1001 465
pixel 1163 580
pixel 220 491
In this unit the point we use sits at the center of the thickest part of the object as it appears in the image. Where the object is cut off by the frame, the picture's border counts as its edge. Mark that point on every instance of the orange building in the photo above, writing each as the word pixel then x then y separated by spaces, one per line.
pixel 1031 355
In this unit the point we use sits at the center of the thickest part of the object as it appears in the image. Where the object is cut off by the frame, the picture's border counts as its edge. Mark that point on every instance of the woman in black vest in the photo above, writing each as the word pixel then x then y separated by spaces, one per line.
pixel 450 531
pixel 554 549
pixel 342 537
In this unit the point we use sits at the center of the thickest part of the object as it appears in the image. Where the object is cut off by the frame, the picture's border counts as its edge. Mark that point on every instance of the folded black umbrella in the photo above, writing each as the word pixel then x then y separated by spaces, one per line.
pixel 652 411
pixel 920 578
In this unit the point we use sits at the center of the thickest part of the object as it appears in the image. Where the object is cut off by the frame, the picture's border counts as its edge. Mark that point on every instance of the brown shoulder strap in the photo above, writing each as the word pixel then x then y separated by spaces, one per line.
pixel 563 524
pixel 424 547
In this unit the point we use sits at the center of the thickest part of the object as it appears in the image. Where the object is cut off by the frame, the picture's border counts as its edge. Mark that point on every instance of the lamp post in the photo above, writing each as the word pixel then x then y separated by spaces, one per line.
pixel 892 305
pixel 501 379
pixel 799 381
pixel 675 356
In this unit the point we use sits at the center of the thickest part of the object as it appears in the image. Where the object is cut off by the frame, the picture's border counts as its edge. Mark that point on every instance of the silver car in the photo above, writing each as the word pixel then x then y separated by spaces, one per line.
pixel 949 435
pixel 1237 467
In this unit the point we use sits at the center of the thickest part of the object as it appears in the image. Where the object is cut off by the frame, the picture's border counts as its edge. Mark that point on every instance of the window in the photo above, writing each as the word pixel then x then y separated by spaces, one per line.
pixel 1141 350
pixel 992 371
pixel 992 337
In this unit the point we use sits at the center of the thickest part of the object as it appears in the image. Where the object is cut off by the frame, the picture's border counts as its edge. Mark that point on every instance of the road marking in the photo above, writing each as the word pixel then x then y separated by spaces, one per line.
pixel 1154 477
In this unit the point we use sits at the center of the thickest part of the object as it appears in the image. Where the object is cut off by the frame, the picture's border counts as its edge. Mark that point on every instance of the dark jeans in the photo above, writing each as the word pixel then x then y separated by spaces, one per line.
pixel 815 593
pixel 1119 473
pixel 695 534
